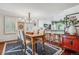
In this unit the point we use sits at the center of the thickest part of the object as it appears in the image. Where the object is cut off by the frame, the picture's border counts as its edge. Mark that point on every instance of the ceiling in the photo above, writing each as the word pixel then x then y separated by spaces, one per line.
pixel 36 9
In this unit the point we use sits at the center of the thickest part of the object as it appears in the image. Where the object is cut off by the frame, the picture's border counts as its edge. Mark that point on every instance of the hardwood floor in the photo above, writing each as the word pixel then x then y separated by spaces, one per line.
pixel 2 44
pixel 1 47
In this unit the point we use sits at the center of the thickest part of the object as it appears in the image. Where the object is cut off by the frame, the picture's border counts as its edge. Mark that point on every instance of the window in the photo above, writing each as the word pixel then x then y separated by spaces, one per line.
pixel 9 24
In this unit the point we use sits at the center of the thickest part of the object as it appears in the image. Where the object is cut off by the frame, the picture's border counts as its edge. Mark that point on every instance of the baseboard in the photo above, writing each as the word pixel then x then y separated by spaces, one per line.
pixel 8 40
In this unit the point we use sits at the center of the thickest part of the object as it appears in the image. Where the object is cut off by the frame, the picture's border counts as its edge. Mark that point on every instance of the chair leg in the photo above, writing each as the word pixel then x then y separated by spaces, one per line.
pixel 25 50
pixel 36 47
pixel 25 47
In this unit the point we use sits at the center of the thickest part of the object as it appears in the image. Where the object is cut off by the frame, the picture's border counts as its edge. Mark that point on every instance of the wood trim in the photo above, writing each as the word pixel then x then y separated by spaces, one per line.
pixel 1 47
pixel 8 41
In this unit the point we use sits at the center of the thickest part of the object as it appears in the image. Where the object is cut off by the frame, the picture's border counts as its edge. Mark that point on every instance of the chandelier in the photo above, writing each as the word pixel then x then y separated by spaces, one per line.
pixel 29 18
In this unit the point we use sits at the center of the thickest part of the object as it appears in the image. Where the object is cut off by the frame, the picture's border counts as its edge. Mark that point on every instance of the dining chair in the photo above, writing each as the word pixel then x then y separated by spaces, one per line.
pixel 22 41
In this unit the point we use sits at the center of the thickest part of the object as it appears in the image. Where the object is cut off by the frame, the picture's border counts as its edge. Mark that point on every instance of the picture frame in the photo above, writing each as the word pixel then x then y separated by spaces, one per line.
pixel 72 17
pixel 58 25
pixel 47 26
pixel 20 25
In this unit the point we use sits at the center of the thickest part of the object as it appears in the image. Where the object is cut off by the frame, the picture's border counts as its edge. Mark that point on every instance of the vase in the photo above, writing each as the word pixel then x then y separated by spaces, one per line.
pixel 72 30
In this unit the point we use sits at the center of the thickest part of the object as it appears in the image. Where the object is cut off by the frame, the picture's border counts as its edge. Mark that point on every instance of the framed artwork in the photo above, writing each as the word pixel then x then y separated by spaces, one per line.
pixel 20 25
pixel 74 17
pixel 9 24
pixel 46 26
pixel 58 25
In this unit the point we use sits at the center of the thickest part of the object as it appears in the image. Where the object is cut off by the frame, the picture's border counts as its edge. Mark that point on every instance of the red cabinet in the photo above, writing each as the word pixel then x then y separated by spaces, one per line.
pixel 71 42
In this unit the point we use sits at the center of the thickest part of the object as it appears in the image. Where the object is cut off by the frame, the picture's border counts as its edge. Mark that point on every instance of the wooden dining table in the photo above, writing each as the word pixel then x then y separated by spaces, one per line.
pixel 34 38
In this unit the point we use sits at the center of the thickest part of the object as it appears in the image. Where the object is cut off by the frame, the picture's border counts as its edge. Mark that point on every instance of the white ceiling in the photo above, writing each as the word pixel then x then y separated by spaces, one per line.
pixel 36 9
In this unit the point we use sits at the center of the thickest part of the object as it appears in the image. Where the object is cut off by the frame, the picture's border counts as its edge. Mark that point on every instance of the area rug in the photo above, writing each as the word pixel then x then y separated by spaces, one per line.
pixel 15 49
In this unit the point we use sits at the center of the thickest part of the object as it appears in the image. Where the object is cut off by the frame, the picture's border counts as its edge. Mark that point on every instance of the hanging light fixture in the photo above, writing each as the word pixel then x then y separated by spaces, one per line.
pixel 29 18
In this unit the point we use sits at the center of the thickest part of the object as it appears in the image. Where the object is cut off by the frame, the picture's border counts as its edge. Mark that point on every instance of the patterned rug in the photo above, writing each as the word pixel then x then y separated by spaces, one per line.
pixel 15 49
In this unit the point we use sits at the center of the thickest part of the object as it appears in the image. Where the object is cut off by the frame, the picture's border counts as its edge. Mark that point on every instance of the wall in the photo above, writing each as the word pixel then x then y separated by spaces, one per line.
pixel 46 20
pixel 1 24
pixel 66 12
pixel 59 16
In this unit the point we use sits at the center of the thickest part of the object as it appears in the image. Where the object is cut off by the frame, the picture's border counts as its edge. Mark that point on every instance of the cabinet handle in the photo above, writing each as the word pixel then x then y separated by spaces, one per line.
pixel 71 42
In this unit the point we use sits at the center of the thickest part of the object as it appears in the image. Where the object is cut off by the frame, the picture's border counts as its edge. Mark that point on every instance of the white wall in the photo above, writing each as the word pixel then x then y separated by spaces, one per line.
pixel 66 12
pixel 1 24
pixel 46 20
